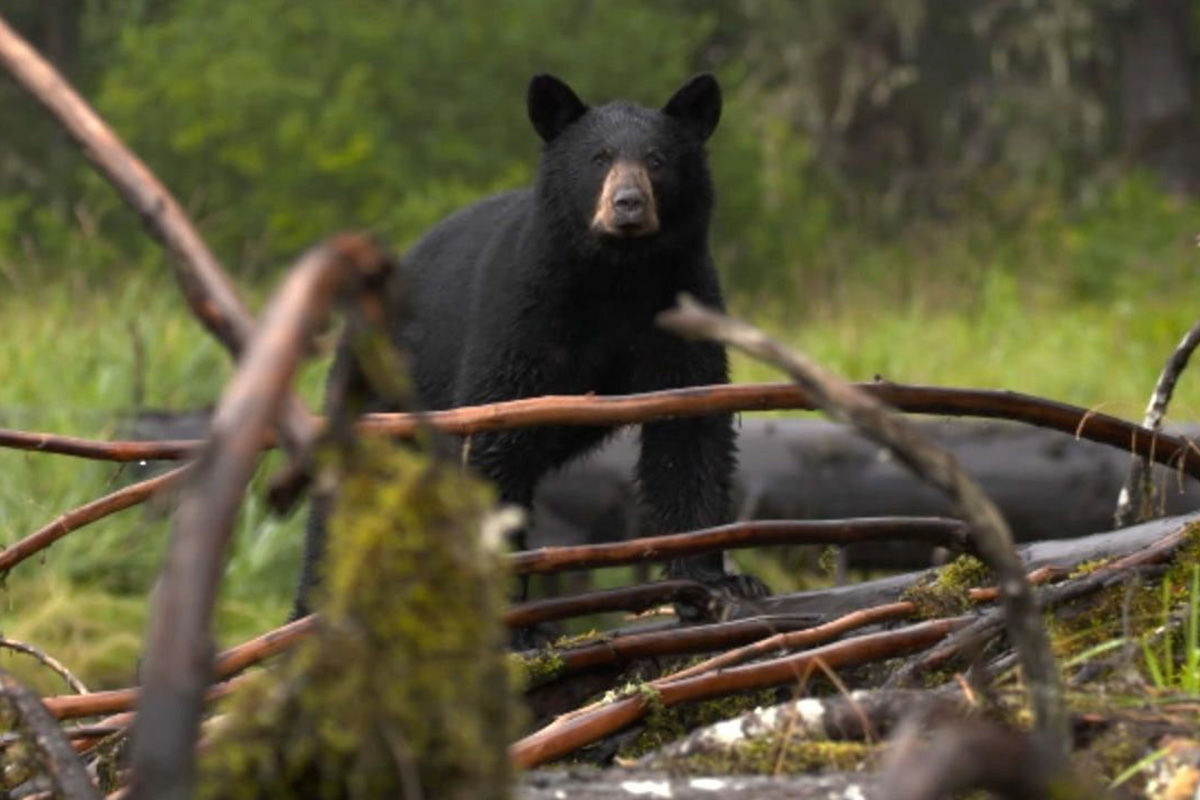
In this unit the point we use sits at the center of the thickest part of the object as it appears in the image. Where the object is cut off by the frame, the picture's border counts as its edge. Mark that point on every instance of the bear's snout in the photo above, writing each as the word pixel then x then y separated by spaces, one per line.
pixel 626 204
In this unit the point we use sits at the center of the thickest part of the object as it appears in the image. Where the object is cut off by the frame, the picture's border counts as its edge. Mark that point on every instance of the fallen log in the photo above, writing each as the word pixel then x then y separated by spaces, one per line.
pixel 826 604
pixel 809 469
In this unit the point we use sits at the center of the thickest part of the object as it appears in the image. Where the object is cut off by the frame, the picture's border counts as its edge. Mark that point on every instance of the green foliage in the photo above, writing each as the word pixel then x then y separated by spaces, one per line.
pixel 1158 649
pixel 280 122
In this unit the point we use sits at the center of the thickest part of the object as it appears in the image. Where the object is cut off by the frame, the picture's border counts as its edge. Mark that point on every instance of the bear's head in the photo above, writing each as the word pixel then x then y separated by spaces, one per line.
pixel 621 174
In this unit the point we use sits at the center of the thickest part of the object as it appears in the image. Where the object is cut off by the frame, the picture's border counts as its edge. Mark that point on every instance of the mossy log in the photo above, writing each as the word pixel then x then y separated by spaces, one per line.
pixel 404 690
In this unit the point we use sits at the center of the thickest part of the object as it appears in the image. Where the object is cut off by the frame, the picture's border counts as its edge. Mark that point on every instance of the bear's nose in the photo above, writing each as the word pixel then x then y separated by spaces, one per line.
pixel 630 203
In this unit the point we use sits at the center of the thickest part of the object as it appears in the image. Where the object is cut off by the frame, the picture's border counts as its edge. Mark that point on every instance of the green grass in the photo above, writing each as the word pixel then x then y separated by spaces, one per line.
pixel 1018 314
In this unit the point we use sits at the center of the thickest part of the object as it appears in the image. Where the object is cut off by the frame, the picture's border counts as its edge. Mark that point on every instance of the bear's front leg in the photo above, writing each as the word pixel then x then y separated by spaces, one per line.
pixel 685 470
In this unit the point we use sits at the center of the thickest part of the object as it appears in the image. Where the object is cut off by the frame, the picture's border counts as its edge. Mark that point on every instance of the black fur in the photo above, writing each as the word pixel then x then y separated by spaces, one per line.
pixel 516 296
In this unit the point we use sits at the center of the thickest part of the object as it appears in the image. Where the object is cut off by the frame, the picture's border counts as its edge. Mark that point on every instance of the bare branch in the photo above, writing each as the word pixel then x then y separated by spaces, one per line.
pixel 990 532
pixel 738 535
pixel 206 286
pixel 47 660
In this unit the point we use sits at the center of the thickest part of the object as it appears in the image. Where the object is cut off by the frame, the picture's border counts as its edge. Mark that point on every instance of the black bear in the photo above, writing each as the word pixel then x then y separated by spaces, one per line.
pixel 554 289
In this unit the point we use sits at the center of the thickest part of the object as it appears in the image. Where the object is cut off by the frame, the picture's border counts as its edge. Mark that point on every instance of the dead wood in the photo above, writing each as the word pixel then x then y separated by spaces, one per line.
pixel 206 286
pixel 178 663
pixel 101 507
pixel 826 604
pixel 944 532
pixel 1135 502
pixel 617 650
pixel 556 740
pixel 989 531
pixel 57 757
pixel 47 661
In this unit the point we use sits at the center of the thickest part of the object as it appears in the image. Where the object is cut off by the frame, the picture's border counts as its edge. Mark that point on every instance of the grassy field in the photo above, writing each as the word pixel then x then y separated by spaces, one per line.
pixel 80 359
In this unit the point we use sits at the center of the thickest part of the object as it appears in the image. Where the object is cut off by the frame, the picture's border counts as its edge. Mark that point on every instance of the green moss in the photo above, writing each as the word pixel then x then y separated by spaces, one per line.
pixel 775 754
pixel 947 592
pixel 405 684
pixel 1088 567
pixel 538 668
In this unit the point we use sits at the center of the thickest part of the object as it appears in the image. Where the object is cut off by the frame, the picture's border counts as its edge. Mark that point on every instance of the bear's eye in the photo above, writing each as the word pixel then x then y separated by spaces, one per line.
pixel 602 157
pixel 654 160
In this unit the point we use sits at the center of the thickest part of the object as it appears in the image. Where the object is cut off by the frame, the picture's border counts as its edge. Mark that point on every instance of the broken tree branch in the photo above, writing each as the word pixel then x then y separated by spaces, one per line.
pixel 990 532
pixel 206 286
pixel 1136 497
pixel 178 663
pixel 62 764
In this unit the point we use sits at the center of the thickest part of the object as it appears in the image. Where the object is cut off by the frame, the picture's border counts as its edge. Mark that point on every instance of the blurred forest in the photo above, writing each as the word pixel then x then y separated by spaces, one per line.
pixel 849 124
pixel 997 193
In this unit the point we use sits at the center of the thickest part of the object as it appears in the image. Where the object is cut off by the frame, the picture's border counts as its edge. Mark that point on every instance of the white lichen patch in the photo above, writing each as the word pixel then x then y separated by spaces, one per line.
pixel 707 784
pixel 647 788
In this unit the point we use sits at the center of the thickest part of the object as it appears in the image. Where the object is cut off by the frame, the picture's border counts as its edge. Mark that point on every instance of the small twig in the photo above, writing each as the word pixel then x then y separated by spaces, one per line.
pixel 47 660
pixel 1135 497
pixel 60 760
pixel 991 534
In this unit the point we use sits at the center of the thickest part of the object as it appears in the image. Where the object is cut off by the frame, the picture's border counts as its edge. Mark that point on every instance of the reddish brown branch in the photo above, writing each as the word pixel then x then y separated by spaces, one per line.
pixel 178 663
pixel 694 401
pixel 247 654
pixel 116 701
pixel 559 740
pixel 74 519
pixel 175 450
pixel 946 532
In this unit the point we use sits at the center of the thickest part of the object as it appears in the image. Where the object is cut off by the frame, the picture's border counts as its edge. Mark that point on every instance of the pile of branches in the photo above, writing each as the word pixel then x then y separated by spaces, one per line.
pixel 928 658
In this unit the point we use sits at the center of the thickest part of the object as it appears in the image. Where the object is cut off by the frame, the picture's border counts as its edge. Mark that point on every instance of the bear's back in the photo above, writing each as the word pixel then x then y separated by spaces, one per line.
pixel 443 275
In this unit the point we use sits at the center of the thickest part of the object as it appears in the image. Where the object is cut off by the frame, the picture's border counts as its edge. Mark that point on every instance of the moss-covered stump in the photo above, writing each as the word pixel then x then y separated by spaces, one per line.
pixel 404 691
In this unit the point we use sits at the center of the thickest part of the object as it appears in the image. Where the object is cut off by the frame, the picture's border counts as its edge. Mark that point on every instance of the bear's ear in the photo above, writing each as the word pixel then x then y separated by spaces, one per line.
pixel 697 105
pixel 552 106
